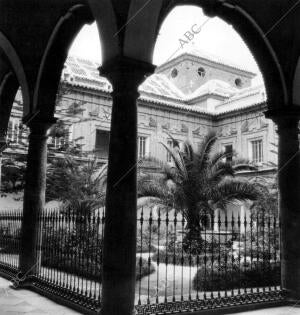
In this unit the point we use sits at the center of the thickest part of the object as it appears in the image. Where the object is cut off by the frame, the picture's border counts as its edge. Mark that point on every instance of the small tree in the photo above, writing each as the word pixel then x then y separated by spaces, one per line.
pixel 198 183
pixel 80 186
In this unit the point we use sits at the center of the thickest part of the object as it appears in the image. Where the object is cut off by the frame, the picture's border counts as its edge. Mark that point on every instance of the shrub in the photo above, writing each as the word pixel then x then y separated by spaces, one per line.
pixel 259 275
pixel 144 267
pixel 67 250
pixel 192 253
pixel 9 240
pixel 143 247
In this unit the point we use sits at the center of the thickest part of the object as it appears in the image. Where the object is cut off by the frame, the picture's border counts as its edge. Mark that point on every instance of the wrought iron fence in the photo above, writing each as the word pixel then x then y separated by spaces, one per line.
pixel 10 228
pixel 229 259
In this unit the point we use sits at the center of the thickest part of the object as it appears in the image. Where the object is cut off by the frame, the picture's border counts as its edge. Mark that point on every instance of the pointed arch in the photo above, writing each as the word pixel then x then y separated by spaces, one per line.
pixel 8 89
pixel 105 17
pixel 253 35
pixel 54 58
pixel 141 31
pixel 296 85
pixel 17 66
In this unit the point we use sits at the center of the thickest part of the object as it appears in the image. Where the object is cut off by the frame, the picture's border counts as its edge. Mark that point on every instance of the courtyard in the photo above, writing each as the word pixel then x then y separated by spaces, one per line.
pixel 149 157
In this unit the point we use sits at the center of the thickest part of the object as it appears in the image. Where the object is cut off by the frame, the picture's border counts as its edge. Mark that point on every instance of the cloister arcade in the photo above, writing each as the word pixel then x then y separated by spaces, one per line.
pixel 34 40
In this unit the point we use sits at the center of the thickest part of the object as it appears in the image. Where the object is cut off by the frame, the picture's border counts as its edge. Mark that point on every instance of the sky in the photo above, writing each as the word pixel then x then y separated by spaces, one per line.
pixel 216 37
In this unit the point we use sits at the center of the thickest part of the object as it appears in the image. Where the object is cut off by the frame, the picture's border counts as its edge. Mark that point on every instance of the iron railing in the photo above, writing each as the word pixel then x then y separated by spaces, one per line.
pixel 228 259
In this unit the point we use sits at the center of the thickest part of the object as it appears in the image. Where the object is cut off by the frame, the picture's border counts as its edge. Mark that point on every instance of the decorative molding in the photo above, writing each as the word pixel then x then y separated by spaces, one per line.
pixel 152 122
pixel 105 114
pixel 254 124
pixel 226 131
pixel 245 126
pixel 184 128
pixel 199 131
pixel 166 126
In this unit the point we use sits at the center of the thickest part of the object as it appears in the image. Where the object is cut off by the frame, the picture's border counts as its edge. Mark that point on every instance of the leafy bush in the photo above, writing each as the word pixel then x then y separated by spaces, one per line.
pixel 80 254
pixel 193 252
pixel 143 247
pixel 144 268
pixel 9 240
pixel 258 275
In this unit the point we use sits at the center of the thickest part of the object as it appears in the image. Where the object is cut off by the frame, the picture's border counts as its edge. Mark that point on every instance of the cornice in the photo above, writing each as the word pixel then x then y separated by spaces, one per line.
pixel 203 60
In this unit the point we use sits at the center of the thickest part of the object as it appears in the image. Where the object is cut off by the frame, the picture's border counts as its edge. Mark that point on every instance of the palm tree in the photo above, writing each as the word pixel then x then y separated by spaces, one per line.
pixel 198 182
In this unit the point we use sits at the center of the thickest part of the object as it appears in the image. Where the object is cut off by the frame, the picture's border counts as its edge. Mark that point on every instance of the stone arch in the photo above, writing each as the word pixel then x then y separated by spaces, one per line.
pixel 8 88
pixel 9 53
pixel 142 30
pixel 296 85
pixel 104 14
pixel 255 39
pixel 54 57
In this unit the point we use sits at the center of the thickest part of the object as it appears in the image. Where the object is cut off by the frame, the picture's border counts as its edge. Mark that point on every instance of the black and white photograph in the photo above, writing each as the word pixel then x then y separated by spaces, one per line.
pixel 149 157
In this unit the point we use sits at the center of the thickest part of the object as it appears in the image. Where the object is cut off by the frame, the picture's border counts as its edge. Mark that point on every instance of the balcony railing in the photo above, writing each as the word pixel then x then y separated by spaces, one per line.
pixel 229 260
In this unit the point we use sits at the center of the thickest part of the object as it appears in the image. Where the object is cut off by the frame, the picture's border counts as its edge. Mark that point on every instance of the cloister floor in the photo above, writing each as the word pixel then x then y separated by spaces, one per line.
pixel 17 302
pixel 283 310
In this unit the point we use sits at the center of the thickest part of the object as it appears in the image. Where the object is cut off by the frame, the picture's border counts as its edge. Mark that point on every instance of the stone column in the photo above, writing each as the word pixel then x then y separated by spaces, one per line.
pixel 289 198
pixel 3 145
pixel 34 196
pixel 119 253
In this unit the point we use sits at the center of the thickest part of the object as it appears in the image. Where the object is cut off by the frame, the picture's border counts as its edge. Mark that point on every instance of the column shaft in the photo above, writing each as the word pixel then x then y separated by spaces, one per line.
pixel 119 253
pixel 289 204
pixel 287 121
pixel 34 197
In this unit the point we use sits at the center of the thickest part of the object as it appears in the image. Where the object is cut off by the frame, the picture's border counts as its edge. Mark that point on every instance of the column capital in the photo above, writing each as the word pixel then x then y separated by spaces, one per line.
pixel 213 8
pixel 126 74
pixel 285 118
pixel 39 126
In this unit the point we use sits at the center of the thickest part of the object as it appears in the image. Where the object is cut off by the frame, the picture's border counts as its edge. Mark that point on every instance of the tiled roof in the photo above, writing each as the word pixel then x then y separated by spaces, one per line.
pixel 216 87
pixel 156 89
pixel 160 85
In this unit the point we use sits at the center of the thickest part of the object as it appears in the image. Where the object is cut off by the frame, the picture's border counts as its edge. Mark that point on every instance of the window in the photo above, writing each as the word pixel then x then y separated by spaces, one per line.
pixel 174 73
pixel 60 142
pixel 10 131
pixel 141 147
pixel 20 134
pixel 238 82
pixel 228 150
pixel 257 151
pixel 170 145
pixel 15 132
pixel 102 143
pixel 201 71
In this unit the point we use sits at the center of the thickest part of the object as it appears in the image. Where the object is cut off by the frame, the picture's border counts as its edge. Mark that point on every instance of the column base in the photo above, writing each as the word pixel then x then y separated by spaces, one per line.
pixel 290 275
pixel 134 312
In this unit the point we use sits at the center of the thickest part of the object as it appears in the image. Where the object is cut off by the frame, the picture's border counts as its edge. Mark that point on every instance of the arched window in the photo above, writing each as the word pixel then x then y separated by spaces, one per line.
pixel 238 82
pixel 174 73
pixel 201 71
pixel 9 131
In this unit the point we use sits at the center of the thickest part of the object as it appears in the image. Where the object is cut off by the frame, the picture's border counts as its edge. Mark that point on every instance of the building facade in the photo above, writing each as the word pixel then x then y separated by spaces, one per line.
pixel 186 97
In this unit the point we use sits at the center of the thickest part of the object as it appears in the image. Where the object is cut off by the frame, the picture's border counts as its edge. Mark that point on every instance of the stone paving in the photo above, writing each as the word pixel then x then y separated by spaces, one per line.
pixel 17 302
pixel 283 310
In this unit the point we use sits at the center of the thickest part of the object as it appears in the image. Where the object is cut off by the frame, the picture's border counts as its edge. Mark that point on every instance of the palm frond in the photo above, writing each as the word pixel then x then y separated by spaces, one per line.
pixel 174 141
pixel 205 149
pixel 231 190
pixel 220 170
pixel 188 150
pixel 177 159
